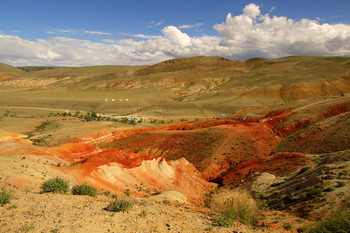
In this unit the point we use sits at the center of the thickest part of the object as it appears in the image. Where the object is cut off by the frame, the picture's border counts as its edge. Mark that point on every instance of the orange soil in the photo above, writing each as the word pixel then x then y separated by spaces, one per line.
pixel 212 145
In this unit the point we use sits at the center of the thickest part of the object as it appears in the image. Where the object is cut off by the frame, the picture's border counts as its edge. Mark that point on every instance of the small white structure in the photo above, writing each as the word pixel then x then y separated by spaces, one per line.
pixel 113 100
pixel 106 100
pixel 126 99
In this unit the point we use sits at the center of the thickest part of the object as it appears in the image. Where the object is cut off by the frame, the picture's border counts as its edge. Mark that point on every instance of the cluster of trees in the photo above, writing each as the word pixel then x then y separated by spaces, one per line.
pixel 89 116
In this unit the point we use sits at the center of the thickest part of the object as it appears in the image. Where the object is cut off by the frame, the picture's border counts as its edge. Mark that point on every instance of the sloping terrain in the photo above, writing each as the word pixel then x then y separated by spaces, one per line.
pixel 9 72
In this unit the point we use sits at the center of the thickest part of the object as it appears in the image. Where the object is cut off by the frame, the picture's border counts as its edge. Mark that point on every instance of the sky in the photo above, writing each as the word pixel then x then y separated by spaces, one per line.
pixel 140 32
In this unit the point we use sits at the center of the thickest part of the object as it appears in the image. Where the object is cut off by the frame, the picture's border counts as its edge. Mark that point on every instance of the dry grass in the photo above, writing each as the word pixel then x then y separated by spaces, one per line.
pixel 233 205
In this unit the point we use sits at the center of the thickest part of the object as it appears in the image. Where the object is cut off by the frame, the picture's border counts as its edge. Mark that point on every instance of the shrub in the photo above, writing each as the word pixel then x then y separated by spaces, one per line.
pixel 313 193
pixel 55 185
pixel 341 184
pixel 329 189
pixel 304 169
pixel 127 192
pixel 233 205
pixel 119 205
pixel 84 189
pixel 5 197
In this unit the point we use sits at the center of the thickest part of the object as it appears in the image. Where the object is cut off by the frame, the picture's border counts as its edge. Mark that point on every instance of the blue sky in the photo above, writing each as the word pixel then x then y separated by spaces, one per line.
pixel 128 32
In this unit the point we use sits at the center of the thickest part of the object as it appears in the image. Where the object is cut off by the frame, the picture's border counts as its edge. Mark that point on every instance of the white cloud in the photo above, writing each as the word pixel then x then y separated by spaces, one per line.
pixel 155 23
pixel 272 37
pixel 252 10
pixel 186 26
pixel 143 36
pixel 98 33
pixel 60 31
pixel 251 34
pixel 176 37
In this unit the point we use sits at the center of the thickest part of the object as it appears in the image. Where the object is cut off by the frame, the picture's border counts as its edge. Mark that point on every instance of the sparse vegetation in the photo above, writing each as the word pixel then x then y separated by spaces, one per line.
pixel 27 228
pixel 84 189
pixel 339 223
pixel 55 185
pixel 5 197
pixel 119 205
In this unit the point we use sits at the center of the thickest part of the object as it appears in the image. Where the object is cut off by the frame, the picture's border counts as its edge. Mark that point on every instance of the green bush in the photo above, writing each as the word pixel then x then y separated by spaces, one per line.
pixel 84 189
pixel 313 193
pixel 339 223
pixel 119 205
pixel 224 220
pixel 55 185
pixel 5 197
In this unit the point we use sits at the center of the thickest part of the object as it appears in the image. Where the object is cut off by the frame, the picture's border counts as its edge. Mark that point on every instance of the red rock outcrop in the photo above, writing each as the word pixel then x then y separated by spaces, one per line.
pixel 115 170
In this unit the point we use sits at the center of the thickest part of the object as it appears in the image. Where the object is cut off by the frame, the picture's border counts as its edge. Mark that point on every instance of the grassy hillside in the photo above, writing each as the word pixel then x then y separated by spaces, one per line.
pixel 4 68
pixel 194 87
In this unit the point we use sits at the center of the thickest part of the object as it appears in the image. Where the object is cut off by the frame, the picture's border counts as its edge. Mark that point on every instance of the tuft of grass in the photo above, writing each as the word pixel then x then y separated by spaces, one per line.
pixel 143 213
pixel 55 185
pixel 127 192
pixel 119 205
pixel 84 189
pixel 5 197
pixel 233 205
pixel 166 201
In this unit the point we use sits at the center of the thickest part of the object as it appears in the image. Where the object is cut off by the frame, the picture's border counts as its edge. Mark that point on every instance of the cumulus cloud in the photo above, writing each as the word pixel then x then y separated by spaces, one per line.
pixel 176 37
pixel 250 34
pixel 252 10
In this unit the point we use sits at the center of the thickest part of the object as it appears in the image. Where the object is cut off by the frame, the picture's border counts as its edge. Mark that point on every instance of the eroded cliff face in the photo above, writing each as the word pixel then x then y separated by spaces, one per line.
pixel 115 170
